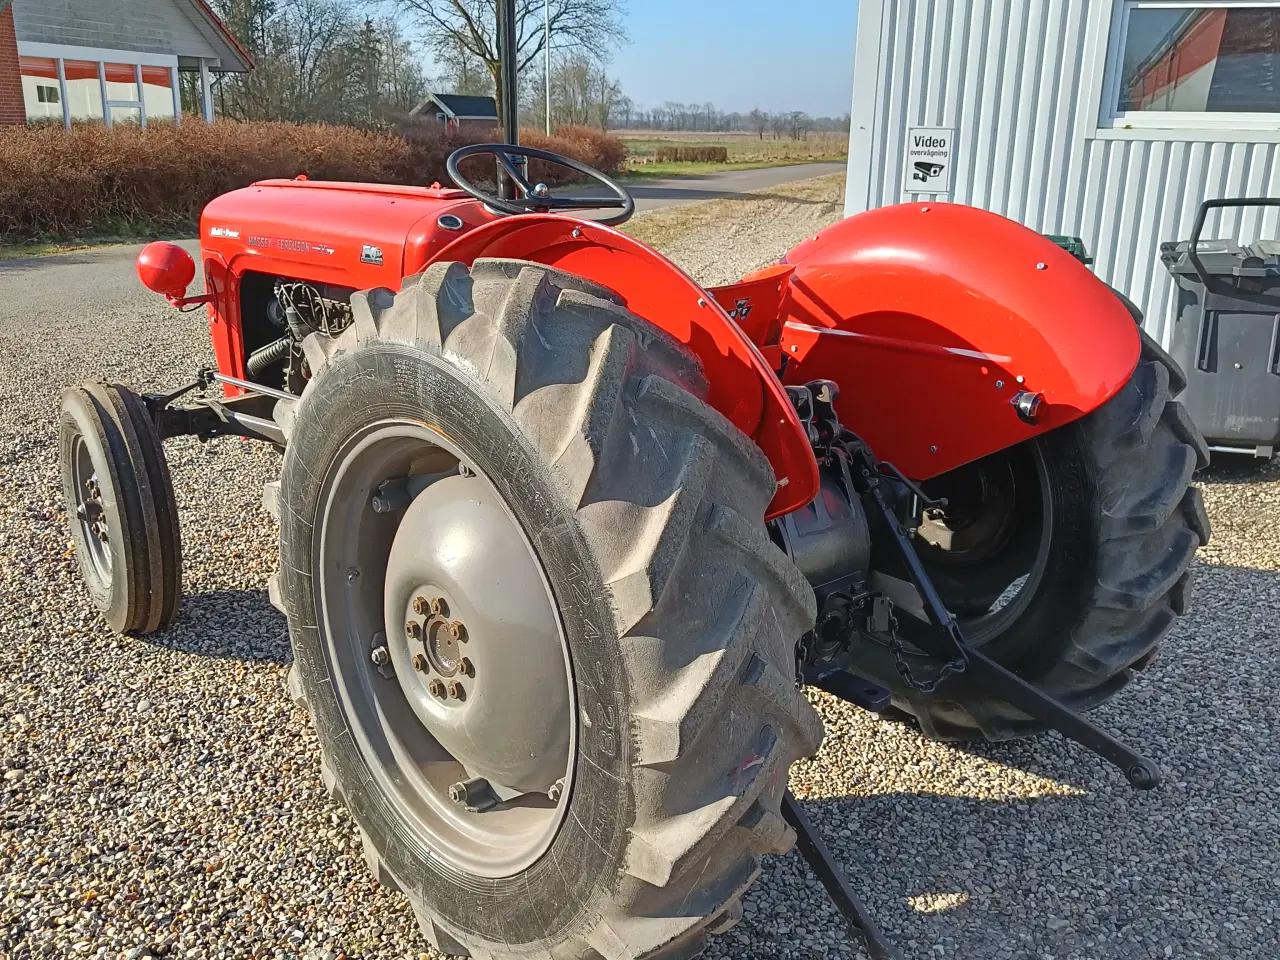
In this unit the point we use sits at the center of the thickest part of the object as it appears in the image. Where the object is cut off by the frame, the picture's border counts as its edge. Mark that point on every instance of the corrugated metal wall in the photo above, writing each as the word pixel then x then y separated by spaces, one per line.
pixel 1013 78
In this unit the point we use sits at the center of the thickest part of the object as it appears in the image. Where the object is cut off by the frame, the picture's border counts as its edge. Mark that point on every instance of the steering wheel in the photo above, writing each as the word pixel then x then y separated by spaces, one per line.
pixel 537 198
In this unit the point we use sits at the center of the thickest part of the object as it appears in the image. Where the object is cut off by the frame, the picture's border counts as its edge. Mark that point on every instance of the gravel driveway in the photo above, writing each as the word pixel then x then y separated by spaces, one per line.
pixel 162 795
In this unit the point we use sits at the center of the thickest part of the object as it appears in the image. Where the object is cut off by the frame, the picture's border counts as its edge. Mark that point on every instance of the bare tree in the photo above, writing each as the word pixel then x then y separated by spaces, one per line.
pixel 626 110
pixel 471 25
pixel 759 121
pixel 316 61
pixel 573 89
pixel 462 71
pixel 608 93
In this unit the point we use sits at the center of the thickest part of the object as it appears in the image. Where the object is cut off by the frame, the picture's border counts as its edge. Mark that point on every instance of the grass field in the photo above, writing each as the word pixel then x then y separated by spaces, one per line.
pixel 746 150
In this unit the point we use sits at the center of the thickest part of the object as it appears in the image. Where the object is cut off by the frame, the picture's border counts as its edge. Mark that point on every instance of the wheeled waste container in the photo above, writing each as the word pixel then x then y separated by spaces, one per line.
pixel 1226 334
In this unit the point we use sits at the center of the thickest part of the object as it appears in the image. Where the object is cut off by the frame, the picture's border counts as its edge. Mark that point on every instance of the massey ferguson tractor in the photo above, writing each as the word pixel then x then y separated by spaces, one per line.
pixel 563 534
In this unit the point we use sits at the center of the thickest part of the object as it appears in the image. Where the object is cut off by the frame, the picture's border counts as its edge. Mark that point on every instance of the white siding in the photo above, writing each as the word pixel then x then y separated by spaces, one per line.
pixel 145 26
pixel 1019 80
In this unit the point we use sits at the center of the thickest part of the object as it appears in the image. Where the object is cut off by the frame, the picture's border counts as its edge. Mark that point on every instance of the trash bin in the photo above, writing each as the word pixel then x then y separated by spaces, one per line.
pixel 1226 334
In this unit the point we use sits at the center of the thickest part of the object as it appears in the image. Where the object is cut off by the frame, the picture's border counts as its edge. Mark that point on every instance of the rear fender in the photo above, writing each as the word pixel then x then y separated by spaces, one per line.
pixel 741 385
pixel 933 317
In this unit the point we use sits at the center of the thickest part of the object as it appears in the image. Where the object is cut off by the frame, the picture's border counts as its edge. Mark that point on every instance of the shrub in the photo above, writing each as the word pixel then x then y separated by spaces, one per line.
pixel 692 155
pixel 90 179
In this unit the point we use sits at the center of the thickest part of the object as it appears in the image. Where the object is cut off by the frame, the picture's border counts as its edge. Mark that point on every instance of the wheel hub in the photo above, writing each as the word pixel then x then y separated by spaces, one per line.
pixel 478 654
pixel 91 510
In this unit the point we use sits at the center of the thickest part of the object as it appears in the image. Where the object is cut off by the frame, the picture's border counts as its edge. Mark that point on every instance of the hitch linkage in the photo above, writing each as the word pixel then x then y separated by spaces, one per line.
pixel 947 642
pixel 872 481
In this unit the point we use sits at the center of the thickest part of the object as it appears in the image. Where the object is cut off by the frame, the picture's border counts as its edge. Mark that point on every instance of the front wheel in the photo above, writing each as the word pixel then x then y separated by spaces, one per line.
pixel 546 643
pixel 1066 558
pixel 120 507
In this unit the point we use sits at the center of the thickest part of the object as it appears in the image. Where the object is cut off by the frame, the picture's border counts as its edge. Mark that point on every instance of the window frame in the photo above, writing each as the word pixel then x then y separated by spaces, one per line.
pixel 1115 121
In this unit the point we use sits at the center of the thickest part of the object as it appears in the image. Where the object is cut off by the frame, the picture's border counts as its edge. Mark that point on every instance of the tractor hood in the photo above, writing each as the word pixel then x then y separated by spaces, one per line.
pixel 356 235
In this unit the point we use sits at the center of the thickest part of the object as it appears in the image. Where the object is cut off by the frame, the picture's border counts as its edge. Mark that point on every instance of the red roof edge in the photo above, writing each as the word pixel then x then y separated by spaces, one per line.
pixel 227 34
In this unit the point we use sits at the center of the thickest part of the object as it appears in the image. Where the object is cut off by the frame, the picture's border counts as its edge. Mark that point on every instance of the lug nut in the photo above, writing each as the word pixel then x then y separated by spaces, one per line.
pixel 438 607
pixel 466 668
pixel 458 630
pixel 456 690
pixel 474 795
pixel 380 656
pixel 420 606
pixel 412 629
pixel 555 790
pixel 436 688
pixel 420 663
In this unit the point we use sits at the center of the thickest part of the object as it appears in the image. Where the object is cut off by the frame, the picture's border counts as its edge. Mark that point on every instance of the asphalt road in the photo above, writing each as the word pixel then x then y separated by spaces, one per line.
pixel 654 194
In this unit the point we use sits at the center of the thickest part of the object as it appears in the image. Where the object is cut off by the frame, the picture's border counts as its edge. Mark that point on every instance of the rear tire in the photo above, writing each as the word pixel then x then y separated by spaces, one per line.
pixel 644 508
pixel 1102 588
pixel 121 507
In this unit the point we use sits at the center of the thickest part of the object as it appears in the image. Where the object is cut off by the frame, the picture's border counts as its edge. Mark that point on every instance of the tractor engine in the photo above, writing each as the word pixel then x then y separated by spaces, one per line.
pixel 278 314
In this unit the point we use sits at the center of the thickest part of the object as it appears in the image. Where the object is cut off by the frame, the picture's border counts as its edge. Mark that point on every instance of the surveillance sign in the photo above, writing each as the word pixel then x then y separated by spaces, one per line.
pixel 928 160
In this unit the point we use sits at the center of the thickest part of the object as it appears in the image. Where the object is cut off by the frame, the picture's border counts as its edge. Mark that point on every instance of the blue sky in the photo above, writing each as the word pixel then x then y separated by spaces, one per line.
pixel 739 54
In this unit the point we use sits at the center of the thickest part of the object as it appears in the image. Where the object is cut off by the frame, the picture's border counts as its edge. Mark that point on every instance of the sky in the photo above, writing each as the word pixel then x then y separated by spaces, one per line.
pixel 740 54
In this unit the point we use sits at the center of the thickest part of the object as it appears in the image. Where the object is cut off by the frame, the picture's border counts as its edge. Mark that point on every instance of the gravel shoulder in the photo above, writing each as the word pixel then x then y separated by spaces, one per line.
pixel 161 796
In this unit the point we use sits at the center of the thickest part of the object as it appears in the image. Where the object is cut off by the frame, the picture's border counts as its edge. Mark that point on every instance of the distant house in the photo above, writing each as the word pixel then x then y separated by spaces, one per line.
pixel 109 60
pixel 455 111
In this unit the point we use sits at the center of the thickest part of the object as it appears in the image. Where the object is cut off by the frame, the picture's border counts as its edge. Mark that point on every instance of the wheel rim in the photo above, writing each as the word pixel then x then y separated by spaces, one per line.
pixel 987 526
pixel 90 510
pixel 444 589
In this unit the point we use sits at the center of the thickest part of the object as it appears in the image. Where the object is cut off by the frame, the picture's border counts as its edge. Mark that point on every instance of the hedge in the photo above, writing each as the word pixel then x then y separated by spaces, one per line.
pixel 93 180
pixel 692 155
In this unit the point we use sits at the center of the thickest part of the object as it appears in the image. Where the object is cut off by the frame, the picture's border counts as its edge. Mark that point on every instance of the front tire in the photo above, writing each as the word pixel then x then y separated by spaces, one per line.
pixel 120 507
pixel 644 510
pixel 1068 560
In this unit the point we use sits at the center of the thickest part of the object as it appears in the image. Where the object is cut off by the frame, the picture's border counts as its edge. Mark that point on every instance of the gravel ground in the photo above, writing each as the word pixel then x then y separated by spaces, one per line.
pixel 161 795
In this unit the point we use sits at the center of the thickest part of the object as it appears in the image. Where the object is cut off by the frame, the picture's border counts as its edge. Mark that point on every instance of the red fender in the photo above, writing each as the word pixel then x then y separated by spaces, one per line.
pixel 933 317
pixel 741 385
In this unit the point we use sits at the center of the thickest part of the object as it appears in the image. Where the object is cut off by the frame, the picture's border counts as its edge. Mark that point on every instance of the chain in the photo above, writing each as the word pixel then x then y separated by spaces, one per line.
pixel 951 668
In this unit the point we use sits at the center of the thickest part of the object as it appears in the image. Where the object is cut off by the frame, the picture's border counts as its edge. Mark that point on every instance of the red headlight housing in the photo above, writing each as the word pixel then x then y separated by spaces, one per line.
pixel 165 268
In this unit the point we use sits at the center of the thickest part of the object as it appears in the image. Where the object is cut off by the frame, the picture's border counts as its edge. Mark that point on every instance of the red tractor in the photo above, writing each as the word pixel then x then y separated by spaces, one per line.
pixel 562 533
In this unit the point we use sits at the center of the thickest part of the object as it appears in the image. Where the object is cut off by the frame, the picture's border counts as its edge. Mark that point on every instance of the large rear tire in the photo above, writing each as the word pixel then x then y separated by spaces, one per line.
pixel 643 509
pixel 1066 558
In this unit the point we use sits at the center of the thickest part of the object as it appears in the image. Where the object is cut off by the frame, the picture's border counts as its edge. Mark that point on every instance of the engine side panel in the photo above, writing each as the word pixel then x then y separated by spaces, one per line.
pixel 933 317
pixel 344 234
pixel 742 385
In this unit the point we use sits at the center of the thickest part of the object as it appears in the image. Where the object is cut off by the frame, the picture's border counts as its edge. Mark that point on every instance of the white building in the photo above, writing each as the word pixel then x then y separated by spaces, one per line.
pixel 1110 120
pixel 114 61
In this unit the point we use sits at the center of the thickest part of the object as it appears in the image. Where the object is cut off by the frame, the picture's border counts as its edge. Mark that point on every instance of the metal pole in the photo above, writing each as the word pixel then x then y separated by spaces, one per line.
pixel 206 92
pixel 62 92
pixel 507 54
pixel 142 94
pixel 509 88
pixel 106 100
pixel 546 43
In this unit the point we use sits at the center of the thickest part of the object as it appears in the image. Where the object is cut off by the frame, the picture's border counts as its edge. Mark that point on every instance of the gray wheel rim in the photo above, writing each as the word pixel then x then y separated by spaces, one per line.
pixel 384 704
pixel 1013 603
pixel 91 510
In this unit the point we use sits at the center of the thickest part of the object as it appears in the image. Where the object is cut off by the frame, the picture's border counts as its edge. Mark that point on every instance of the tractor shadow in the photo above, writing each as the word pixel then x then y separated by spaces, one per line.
pixel 1231 469
pixel 228 624
pixel 983 861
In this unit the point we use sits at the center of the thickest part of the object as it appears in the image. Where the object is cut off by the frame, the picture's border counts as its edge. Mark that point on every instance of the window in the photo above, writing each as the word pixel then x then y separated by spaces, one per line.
pixel 1182 64
pixel 47 95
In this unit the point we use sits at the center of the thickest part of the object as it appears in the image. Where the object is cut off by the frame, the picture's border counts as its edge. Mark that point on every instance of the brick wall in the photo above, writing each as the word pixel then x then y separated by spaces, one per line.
pixel 12 107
